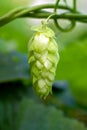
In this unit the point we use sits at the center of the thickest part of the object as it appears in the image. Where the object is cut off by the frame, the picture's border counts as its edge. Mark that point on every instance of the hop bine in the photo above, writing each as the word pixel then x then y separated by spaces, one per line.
pixel 43 58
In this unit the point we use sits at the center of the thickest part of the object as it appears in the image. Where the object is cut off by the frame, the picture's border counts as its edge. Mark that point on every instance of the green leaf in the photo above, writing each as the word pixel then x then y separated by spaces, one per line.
pixel 73 67
pixel 13 66
pixel 33 116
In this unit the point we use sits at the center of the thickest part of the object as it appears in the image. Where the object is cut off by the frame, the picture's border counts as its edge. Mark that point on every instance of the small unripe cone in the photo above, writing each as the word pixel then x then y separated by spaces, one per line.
pixel 43 58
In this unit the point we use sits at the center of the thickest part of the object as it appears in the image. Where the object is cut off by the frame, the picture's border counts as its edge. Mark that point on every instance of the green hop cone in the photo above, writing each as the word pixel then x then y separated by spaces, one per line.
pixel 43 59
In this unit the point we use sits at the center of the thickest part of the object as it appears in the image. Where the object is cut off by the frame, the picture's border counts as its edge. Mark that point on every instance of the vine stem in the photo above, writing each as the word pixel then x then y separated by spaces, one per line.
pixel 35 12
pixel 77 17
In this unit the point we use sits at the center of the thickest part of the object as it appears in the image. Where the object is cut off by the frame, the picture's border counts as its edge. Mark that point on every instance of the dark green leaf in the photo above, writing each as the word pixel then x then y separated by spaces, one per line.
pixel 33 116
pixel 13 66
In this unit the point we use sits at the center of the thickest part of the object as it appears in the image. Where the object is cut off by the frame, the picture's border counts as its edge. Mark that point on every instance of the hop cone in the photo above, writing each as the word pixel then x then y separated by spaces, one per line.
pixel 43 59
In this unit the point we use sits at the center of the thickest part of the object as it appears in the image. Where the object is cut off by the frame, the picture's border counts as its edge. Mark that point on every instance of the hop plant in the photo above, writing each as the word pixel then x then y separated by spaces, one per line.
pixel 43 57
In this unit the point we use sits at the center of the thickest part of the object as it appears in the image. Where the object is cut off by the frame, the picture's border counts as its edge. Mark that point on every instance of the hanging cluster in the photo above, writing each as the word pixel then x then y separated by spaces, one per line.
pixel 43 57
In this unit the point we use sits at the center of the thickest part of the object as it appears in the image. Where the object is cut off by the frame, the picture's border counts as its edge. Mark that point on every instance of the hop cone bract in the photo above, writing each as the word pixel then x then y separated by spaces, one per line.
pixel 43 58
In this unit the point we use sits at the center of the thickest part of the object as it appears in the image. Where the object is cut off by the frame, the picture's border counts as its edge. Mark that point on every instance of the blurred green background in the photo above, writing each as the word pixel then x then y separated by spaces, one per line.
pixel 69 88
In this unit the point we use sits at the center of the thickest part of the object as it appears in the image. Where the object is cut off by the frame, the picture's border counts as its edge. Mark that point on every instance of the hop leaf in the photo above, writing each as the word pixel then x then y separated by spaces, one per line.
pixel 43 58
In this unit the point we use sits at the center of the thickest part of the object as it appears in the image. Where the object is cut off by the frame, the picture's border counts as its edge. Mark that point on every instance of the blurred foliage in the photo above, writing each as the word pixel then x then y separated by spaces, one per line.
pixel 17 110
pixel 13 66
pixel 14 35
pixel 73 67
pixel 40 117
pixel 30 115
pixel 7 5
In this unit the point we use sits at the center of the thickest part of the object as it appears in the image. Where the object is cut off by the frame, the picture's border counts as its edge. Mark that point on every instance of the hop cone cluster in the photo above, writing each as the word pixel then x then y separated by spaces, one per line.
pixel 43 58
